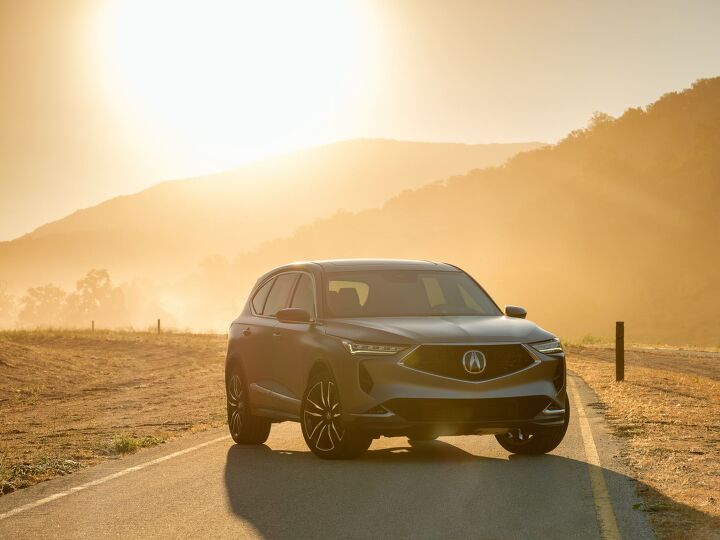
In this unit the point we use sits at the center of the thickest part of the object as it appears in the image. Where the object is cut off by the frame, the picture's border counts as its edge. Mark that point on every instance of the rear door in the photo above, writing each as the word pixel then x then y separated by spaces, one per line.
pixel 258 353
pixel 252 327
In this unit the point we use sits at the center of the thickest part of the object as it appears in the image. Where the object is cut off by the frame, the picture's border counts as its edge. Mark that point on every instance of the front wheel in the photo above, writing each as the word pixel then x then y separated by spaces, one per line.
pixel 421 438
pixel 245 428
pixel 322 427
pixel 539 441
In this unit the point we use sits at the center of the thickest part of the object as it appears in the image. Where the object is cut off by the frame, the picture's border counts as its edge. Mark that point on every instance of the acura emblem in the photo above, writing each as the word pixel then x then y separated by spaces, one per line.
pixel 473 362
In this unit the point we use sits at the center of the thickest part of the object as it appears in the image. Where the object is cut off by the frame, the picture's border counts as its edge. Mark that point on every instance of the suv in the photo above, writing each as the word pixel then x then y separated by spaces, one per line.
pixel 358 349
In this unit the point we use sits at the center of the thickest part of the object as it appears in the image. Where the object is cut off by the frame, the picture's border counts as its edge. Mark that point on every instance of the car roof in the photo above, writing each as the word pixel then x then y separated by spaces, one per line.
pixel 347 265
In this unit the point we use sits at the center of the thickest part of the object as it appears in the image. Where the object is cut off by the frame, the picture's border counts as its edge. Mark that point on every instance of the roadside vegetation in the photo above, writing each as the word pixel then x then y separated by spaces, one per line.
pixel 127 444
pixel 667 413
pixel 19 475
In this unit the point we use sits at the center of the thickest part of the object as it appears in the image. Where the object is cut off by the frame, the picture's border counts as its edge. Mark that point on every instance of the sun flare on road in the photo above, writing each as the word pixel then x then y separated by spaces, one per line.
pixel 234 80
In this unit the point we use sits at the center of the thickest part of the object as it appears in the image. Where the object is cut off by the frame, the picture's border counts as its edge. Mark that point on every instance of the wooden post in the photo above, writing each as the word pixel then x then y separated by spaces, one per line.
pixel 158 326
pixel 93 325
pixel 619 351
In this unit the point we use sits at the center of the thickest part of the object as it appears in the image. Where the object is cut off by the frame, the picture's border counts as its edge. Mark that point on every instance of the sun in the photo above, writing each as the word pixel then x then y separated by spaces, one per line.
pixel 233 80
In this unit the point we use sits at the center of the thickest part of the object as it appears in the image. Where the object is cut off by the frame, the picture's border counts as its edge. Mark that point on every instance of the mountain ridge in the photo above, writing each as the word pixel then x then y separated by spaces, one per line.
pixel 168 228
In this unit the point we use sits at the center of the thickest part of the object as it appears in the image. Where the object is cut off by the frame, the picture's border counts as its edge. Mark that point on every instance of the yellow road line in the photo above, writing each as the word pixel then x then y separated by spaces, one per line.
pixel 601 497
pixel 104 479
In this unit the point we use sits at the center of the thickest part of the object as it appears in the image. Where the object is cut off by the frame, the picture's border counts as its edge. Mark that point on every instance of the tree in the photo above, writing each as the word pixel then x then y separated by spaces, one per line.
pixel 599 119
pixel 7 307
pixel 96 299
pixel 42 306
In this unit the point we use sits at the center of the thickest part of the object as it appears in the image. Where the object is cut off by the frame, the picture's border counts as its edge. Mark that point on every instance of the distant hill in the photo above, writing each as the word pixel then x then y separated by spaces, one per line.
pixel 619 221
pixel 164 232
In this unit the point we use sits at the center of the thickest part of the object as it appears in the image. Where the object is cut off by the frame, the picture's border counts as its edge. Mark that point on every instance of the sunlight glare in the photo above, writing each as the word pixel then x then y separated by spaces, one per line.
pixel 231 81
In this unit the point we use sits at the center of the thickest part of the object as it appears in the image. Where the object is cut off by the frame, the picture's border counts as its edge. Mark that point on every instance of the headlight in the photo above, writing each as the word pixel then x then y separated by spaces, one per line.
pixel 551 346
pixel 372 348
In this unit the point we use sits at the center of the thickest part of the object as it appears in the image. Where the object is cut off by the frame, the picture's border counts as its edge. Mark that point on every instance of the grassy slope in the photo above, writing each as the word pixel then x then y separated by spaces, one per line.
pixel 71 399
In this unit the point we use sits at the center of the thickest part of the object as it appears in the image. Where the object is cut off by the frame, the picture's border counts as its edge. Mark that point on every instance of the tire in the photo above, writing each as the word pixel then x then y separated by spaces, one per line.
pixel 422 438
pixel 245 428
pixel 321 423
pixel 538 442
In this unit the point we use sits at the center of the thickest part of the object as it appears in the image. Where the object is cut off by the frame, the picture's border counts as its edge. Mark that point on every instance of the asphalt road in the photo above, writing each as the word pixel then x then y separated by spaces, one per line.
pixel 203 486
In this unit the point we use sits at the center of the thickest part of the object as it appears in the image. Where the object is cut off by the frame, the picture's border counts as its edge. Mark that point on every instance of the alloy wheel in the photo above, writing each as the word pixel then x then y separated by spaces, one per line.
pixel 518 436
pixel 322 416
pixel 235 404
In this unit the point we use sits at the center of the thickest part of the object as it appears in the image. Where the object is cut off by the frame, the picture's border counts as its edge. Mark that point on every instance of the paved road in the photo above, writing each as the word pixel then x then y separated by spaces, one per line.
pixel 203 486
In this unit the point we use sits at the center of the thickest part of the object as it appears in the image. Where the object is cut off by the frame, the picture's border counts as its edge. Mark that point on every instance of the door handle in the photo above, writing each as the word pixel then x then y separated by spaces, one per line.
pixel 247 331
pixel 276 334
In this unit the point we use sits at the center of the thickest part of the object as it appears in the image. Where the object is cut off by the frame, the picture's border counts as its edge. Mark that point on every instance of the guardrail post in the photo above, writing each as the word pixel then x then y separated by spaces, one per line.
pixel 619 351
pixel 158 326
pixel 93 325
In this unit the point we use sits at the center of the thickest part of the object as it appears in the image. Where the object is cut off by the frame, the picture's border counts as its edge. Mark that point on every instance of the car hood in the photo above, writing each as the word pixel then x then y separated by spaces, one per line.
pixel 464 329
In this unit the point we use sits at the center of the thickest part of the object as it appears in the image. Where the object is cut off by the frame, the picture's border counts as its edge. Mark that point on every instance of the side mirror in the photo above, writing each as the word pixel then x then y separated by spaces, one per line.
pixel 293 315
pixel 516 311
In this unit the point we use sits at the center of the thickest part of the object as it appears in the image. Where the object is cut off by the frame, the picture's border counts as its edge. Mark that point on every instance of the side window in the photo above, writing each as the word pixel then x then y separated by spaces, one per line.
pixel 258 301
pixel 360 288
pixel 279 294
pixel 304 297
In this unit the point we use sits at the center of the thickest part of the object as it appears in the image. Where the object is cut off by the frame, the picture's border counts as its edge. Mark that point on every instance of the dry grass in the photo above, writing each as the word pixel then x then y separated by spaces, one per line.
pixel 70 399
pixel 668 413
pixel 127 444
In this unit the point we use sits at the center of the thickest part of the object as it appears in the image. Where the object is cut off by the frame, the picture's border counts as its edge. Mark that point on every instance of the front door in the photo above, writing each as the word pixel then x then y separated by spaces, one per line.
pixel 262 337
pixel 296 348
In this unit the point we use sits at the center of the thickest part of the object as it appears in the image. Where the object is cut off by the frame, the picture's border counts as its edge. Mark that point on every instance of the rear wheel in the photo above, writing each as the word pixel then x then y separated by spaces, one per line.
pixel 322 427
pixel 538 441
pixel 244 427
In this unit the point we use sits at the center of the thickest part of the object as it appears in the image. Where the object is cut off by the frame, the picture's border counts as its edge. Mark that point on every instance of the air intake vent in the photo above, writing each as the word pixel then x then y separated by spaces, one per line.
pixel 559 378
pixel 467 410
pixel 366 382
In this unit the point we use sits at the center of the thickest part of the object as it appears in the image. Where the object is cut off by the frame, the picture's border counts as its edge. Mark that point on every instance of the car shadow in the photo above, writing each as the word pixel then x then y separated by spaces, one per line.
pixel 426 490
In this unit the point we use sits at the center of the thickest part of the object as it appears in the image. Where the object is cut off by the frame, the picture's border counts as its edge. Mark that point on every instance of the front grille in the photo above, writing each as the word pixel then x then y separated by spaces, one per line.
pixel 447 360
pixel 467 410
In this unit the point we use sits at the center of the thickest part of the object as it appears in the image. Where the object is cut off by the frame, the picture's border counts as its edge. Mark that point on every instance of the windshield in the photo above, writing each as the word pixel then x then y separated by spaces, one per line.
pixel 398 293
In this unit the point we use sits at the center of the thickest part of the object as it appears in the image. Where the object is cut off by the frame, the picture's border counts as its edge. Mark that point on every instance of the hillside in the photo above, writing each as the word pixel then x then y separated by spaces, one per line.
pixel 619 221
pixel 165 231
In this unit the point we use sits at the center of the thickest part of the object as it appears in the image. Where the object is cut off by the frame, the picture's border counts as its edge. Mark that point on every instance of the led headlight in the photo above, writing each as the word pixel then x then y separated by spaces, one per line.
pixel 551 346
pixel 372 348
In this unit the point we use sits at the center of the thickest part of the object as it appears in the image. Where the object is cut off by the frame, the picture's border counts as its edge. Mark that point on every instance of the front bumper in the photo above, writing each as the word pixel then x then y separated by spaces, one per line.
pixel 387 398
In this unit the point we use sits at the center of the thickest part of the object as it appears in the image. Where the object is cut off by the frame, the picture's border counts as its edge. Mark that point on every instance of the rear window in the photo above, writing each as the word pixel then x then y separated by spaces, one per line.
pixel 258 301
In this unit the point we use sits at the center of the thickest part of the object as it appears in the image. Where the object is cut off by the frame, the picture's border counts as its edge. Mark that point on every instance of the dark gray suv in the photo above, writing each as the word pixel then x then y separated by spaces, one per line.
pixel 358 349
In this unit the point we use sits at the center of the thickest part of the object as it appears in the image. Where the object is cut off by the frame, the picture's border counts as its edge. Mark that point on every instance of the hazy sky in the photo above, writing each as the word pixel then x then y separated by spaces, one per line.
pixel 104 98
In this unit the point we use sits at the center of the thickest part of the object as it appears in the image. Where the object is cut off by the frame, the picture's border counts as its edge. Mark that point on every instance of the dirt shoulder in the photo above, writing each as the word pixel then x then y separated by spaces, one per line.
pixel 72 399
pixel 667 411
